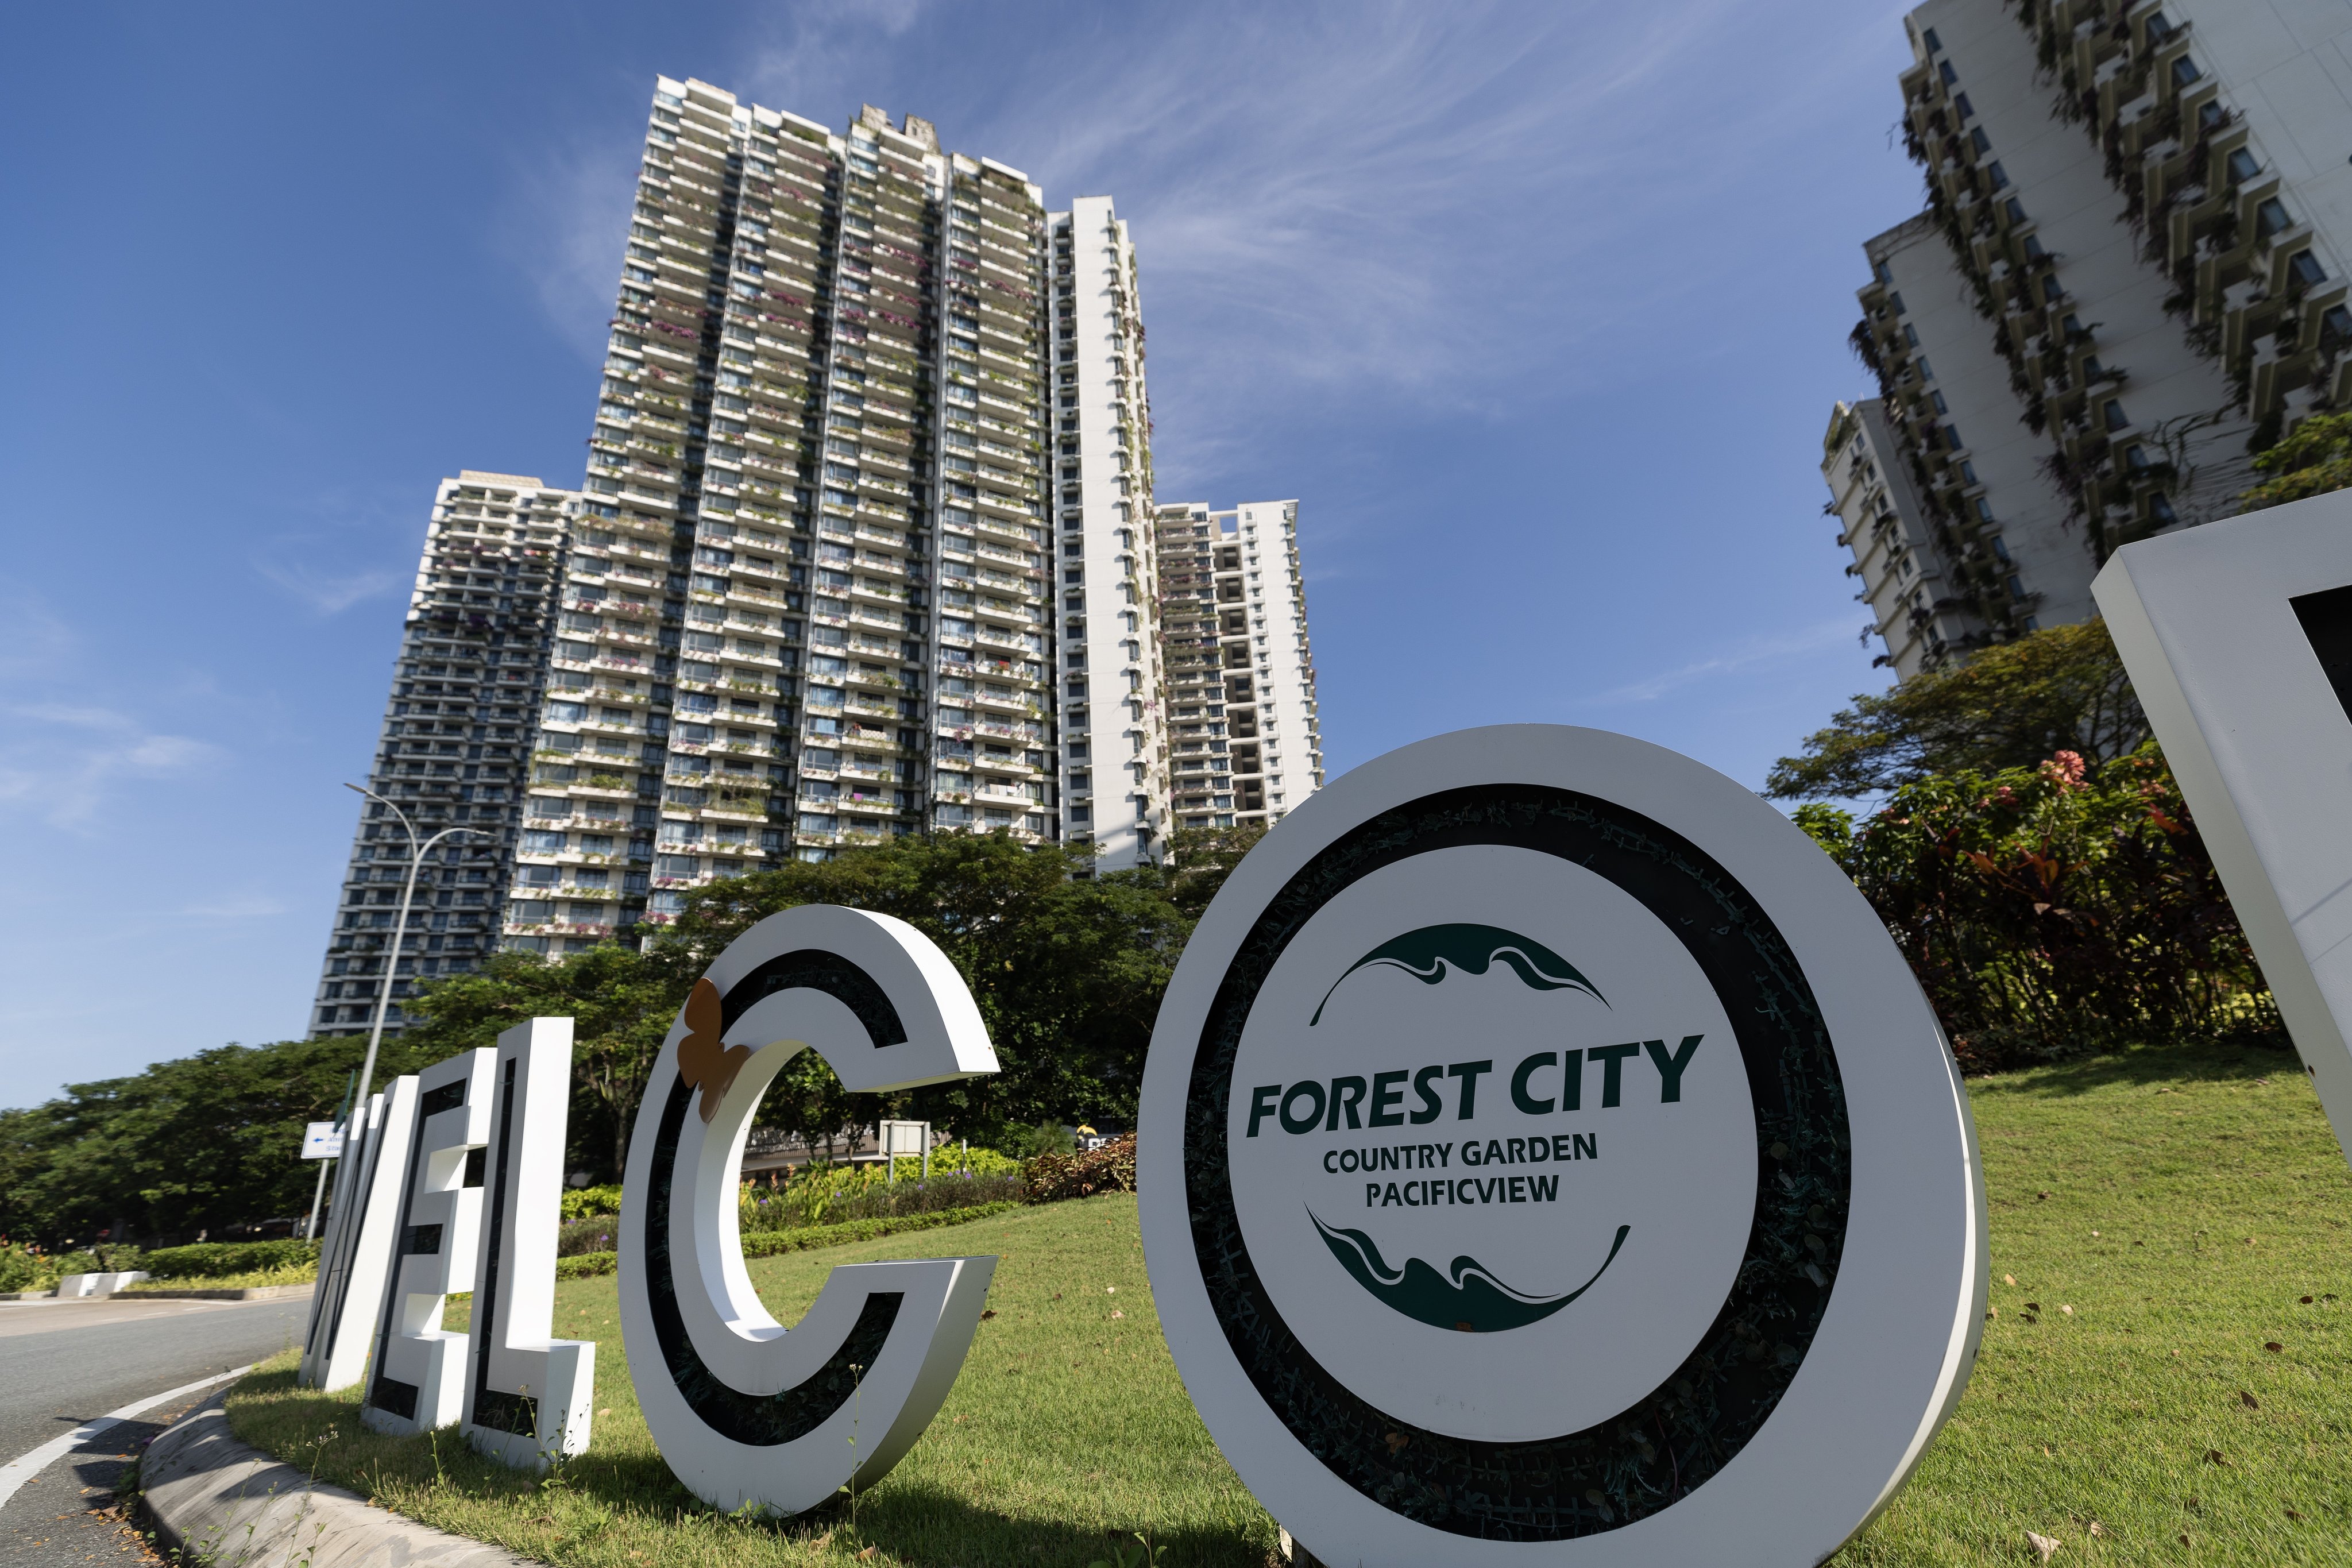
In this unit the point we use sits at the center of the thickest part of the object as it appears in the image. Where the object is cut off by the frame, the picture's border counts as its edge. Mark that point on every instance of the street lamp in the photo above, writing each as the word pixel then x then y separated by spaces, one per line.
pixel 416 853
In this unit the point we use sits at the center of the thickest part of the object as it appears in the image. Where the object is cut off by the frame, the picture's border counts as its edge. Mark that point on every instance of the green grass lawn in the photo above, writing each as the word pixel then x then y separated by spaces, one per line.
pixel 2194 1211
pixel 2182 1203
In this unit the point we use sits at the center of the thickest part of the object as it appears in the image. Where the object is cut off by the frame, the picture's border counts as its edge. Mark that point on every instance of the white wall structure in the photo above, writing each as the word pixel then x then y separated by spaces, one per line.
pixel 1115 785
pixel 355 1259
pixel 746 1411
pixel 1547 1156
pixel 528 1397
pixel 1245 741
pixel 2144 230
pixel 2238 640
pixel 418 1382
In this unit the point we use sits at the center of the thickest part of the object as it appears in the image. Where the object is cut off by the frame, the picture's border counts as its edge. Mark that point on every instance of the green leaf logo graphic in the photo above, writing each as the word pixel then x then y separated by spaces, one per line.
pixel 1467 1297
pixel 1429 953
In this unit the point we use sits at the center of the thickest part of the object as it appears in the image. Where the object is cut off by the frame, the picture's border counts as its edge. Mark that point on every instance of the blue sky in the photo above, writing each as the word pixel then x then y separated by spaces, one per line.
pixel 1538 310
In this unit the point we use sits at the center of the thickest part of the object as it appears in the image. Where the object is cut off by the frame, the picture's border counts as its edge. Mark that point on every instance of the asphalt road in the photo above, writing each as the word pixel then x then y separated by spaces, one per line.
pixel 65 1363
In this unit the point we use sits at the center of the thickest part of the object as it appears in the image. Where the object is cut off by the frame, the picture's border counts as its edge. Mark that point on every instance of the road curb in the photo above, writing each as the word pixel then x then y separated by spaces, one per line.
pixel 212 1499
pixel 251 1293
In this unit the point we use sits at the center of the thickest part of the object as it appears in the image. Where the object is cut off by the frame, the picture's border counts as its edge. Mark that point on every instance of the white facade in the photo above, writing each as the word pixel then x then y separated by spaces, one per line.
pixel 2143 223
pixel 1905 580
pixel 1246 739
pixel 454 744
pixel 1114 792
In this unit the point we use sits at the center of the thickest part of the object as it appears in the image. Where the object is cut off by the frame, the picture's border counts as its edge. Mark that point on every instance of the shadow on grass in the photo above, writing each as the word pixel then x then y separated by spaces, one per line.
pixel 271 1412
pixel 438 1476
pixel 921 1522
pixel 2195 1061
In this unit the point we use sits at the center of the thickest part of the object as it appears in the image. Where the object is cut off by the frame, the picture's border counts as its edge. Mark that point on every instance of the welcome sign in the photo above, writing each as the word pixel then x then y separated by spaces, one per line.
pixel 1543 1145
pixel 457 1188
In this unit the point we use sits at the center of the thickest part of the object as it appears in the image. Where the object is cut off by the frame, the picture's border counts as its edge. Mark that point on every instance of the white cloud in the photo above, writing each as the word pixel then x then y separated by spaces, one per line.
pixel 62 757
pixel 1755 653
pixel 1342 204
pixel 1336 206
pixel 62 763
pixel 570 222
pixel 329 593
pixel 237 907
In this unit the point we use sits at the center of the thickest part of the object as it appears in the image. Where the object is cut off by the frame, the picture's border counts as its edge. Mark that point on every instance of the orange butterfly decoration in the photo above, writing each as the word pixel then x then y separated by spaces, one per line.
pixel 702 1060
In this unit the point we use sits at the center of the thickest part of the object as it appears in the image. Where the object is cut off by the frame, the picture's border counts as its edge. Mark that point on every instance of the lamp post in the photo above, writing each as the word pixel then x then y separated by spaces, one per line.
pixel 416 853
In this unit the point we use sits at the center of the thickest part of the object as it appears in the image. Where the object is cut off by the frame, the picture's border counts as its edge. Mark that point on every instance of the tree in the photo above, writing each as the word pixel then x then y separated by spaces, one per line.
pixel 2010 705
pixel 2053 908
pixel 621 1003
pixel 204 1141
pixel 1201 858
pixel 1069 972
pixel 2314 461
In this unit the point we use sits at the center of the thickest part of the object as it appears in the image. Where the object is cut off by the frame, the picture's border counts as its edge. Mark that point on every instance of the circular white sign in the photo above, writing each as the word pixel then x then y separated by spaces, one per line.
pixel 1547 1155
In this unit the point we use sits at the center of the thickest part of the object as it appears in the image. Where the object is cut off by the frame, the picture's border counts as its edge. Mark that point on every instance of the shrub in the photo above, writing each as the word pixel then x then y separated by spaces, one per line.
pixel 213 1259
pixel 2055 909
pixel 769 1243
pixel 97 1260
pixel 25 1266
pixel 1110 1169
pixel 588 1203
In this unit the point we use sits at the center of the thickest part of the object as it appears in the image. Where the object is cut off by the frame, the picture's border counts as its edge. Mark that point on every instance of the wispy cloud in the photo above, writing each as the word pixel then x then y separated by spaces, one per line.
pixel 329 593
pixel 237 907
pixel 1756 654
pixel 63 763
pixel 566 229
pixel 62 756
pixel 1341 204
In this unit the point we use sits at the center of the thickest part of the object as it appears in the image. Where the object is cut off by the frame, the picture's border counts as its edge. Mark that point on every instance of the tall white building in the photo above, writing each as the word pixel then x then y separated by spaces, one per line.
pixel 1246 739
pixel 454 748
pixel 813 588
pixel 2130 278
pixel 1115 785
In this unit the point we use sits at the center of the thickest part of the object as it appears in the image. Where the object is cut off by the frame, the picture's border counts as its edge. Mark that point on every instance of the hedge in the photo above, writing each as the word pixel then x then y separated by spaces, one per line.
pixel 1110 1169
pixel 211 1260
pixel 770 1242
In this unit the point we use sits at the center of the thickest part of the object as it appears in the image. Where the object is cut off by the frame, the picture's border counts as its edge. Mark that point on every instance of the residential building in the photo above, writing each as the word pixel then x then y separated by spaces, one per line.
pixel 1113 727
pixel 824 404
pixel 1905 582
pixel 806 595
pixel 2134 210
pixel 1245 733
pixel 465 694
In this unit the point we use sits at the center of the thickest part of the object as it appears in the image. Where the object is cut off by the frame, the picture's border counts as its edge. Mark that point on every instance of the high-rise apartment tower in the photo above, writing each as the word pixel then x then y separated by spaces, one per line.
pixel 2130 279
pixel 1246 739
pixel 862 550
pixel 455 747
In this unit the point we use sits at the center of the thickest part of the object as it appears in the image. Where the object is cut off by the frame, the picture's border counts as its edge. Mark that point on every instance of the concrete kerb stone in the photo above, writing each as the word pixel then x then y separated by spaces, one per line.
pixel 213 1499
pixel 250 1293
